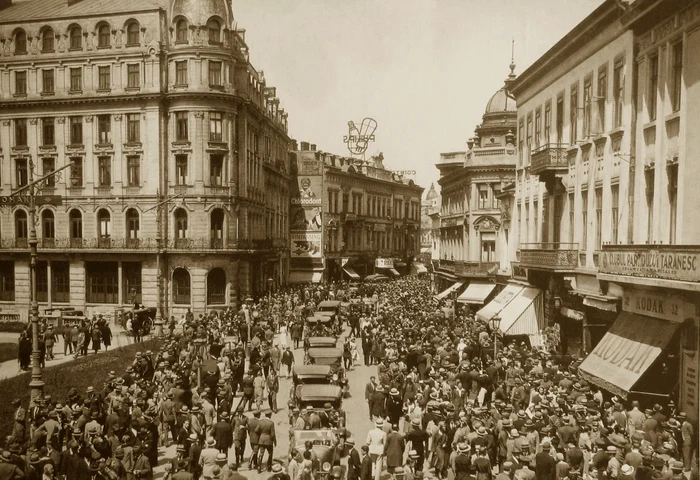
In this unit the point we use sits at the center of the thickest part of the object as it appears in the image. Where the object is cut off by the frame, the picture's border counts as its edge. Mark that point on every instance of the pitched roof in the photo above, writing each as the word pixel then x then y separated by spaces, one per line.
pixel 31 10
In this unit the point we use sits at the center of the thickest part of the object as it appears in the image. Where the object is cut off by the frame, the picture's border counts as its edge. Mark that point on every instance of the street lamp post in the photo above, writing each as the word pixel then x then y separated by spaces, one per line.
pixel 32 188
pixel 270 282
pixel 495 323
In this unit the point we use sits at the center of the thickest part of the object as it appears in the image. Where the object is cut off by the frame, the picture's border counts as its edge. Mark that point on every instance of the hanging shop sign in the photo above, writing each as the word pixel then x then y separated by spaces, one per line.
pixel 683 265
pixel 665 307
pixel 689 381
pixel 384 263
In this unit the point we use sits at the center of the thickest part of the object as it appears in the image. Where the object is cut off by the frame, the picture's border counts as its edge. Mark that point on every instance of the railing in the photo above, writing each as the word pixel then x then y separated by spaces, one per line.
pixel 475 269
pixel 447 265
pixel 550 255
pixel 550 156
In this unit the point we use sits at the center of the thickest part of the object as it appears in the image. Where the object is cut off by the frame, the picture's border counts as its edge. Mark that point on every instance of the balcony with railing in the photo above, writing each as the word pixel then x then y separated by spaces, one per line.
pixel 550 256
pixel 106 244
pixel 549 158
pixel 475 269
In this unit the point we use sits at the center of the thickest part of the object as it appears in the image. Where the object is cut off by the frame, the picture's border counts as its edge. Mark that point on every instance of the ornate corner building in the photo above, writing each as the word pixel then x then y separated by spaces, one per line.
pixel 178 192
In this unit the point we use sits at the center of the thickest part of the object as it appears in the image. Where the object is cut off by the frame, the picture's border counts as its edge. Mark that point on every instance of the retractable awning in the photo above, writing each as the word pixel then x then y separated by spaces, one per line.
pixel 476 292
pixel 449 290
pixel 420 268
pixel 351 273
pixel 626 351
pixel 394 272
pixel 522 314
pixel 501 300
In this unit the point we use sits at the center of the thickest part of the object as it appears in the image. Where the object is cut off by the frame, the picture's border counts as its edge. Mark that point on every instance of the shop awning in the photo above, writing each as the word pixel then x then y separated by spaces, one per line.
pixel 305 276
pixel 425 250
pixel 394 272
pixel 626 351
pixel 495 306
pixel 476 292
pixel 420 268
pixel 449 290
pixel 351 273
pixel 447 276
pixel 521 315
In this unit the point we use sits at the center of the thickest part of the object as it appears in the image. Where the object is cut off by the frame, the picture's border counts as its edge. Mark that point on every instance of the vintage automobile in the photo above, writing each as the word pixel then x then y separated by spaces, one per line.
pixel 332 357
pixel 322 342
pixel 327 445
pixel 332 306
pixel 317 396
pixel 311 375
pixel 376 277
pixel 318 320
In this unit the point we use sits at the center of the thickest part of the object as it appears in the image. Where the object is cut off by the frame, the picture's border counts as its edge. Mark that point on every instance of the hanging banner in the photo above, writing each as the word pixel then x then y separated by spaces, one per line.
pixel 689 381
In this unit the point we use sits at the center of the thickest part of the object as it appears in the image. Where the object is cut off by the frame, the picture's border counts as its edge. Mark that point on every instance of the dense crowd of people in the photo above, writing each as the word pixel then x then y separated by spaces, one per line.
pixel 440 402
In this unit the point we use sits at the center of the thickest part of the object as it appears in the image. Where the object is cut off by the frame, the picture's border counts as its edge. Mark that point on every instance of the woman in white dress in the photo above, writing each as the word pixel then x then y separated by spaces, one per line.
pixel 282 342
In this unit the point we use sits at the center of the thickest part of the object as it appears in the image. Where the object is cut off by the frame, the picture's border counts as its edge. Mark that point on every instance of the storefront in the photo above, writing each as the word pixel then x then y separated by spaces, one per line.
pixel 519 308
pixel 452 290
pixel 476 295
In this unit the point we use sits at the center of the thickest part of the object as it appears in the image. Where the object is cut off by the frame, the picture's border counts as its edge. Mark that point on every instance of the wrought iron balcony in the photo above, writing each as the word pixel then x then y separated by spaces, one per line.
pixel 549 256
pixel 475 269
pixel 549 158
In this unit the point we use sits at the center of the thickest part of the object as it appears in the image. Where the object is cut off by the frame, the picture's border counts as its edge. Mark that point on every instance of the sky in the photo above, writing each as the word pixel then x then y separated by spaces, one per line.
pixel 423 69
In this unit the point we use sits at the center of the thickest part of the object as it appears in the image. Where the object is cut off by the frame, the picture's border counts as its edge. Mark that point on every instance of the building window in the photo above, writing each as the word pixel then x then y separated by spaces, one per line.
pixel 47 41
pixel 615 213
pixel 618 92
pixel 216 169
pixel 21 82
pixel 217 228
pixel 529 134
pixel 103 36
pixel 181 72
pixel 76 172
pixel 47 85
pixel 572 218
pixel 60 282
pixel 181 286
pixel 653 86
pixel 48 165
pixel 133 128
pixel 48 226
pixel 21 172
pixel 76 79
pixel 76 38
pixel 584 220
pixel 133 75
pixel 48 131
pixel 21 132
pixel 676 75
pixel 132 224
pixel 42 281
pixel 181 126
pixel 104 224
pixel 181 31
pixel 7 281
pixel 483 191
pixel 538 127
pixel 598 218
pixel 488 250
pixel 216 127
pixel 104 171
pixel 216 287
pixel 131 283
pixel 649 179
pixel 133 34
pixel 133 170
pixel 76 130
pixel 76 224
pixel 602 97
pixel 573 115
pixel 105 77
pixel 214 31
pixel 20 43
pixel 102 282
pixel 180 224
pixel 21 224
pixel 587 106
pixel 521 141
pixel 215 73
pixel 672 201
pixel 547 122
pixel 560 120
pixel 181 170
pixel 104 129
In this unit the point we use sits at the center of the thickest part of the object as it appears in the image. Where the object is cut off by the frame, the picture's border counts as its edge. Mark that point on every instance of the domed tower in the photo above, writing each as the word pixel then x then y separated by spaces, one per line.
pixel 499 121
pixel 201 16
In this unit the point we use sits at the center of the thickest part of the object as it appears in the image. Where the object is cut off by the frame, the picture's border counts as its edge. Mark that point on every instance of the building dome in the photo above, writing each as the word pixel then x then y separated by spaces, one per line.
pixel 501 102
pixel 199 12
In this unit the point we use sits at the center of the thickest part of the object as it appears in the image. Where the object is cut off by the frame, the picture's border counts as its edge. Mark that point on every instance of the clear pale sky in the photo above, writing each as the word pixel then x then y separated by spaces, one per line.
pixel 424 69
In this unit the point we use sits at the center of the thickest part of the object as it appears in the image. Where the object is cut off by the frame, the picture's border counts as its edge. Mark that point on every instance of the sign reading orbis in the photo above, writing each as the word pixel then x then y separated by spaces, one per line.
pixel 669 264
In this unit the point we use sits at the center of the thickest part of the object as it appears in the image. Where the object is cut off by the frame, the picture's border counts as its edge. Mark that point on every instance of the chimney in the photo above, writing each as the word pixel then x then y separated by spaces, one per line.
pixel 5 4
pixel 295 146
pixel 304 146
pixel 312 147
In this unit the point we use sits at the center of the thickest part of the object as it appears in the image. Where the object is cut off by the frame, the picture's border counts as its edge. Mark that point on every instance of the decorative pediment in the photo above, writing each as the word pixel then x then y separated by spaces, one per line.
pixel 486 224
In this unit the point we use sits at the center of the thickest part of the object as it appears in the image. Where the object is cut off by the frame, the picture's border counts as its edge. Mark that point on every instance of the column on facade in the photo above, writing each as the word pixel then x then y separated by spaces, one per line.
pixel 49 283
pixel 119 282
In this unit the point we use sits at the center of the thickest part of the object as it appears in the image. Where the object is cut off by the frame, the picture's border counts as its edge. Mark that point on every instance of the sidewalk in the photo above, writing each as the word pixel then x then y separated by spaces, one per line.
pixel 11 367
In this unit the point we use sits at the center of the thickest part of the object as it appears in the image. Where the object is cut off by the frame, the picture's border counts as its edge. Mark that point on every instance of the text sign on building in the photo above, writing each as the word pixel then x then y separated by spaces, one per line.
pixel 26 200
pixel 665 307
pixel 358 139
pixel 683 265
pixel 384 263
pixel 689 380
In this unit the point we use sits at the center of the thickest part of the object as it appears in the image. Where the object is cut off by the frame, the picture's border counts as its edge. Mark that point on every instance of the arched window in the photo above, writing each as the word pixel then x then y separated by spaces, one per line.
pixel 132 225
pixel 214 31
pixel 181 286
pixel 20 42
pixel 104 224
pixel 133 34
pixel 21 227
pixel 47 40
pixel 48 227
pixel 76 38
pixel 180 223
pixel 104 36
pixel 75 228
pixel 216 287
pixel 217 228
pixel 181 31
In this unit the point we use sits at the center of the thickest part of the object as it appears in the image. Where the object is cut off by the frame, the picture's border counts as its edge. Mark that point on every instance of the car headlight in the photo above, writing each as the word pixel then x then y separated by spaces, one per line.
pixel 326 467
pixel 335 377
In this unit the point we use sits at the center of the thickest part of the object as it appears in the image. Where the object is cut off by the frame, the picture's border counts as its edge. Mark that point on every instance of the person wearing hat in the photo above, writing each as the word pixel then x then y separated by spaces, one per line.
pixel 394 406
pixel 418 439
pixel 222 431
pixel 394 448
pixel 267 439
pixel 688 439
pixel 207 459
pixel 545 465
pixel 142 466
pixel 354 460
pixel 376 439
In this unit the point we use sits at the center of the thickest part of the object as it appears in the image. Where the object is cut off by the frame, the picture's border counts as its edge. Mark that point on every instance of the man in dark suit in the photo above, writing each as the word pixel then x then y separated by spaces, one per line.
pixel 354 460
pixel 366 465
pixel 223 433
pixel 181 473
pixel 369 391
pixel 545 465
pixel 253 437
pixel 267 439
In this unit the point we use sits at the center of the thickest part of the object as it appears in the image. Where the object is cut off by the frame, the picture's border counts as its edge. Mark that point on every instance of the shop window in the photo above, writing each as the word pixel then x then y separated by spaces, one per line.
pixel 181 287
pixel 216 287
pixel 102 282
pixel 131 283
pixel 7 281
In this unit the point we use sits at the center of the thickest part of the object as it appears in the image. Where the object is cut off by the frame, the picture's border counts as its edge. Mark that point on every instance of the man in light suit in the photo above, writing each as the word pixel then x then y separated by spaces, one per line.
pixel 267 439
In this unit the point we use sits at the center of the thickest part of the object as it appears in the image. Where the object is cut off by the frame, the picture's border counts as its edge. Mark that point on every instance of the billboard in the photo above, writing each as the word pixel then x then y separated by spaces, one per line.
pixel 306 211
pixel 306 245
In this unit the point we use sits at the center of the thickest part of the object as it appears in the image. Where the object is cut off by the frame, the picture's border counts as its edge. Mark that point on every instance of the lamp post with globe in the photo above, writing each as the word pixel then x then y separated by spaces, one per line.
pixel 495 324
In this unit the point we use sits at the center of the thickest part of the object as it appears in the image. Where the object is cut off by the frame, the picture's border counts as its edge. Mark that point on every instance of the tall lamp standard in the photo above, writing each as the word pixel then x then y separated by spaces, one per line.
pixel 33 188
pixel 495 323
pixel 270 282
